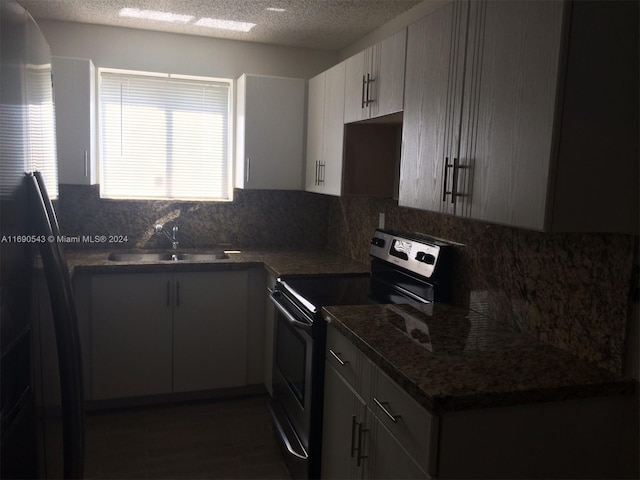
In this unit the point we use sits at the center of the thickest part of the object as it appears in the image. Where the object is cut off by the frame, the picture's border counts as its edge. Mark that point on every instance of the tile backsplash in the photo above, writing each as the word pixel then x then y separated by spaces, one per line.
pixel 570 290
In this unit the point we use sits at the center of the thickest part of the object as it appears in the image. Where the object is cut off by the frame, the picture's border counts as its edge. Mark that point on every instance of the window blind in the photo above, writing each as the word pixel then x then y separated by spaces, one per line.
pixel 164 137
pixel 41 126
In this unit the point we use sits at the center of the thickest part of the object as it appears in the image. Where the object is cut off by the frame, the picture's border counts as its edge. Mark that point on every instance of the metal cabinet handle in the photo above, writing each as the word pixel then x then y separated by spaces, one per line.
pixel 364 83
pixel 316 179
pixel 447 166
pixel 353 435
pixel 454 185
pixel 337 357
pixel 381 405
pixel 369 81
pixel 86 163
pixel 248 171
pixel 322 172
pixel 360 457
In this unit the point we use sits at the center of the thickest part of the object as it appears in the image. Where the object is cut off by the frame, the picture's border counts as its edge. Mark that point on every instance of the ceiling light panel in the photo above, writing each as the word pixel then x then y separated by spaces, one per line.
pixel 155 15
pixel 225 24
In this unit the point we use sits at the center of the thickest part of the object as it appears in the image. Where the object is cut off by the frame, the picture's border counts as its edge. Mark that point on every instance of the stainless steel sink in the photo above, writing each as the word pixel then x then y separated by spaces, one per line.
pixel 165 256
pixel 138 256
pixel 201 257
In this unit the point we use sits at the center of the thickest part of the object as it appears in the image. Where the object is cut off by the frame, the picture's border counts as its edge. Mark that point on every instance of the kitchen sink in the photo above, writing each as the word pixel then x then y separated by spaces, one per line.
pixel 165 256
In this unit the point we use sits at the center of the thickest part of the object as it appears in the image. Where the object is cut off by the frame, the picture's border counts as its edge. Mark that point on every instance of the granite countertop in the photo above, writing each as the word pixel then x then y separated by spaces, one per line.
pixel 277 262
pixel 449 358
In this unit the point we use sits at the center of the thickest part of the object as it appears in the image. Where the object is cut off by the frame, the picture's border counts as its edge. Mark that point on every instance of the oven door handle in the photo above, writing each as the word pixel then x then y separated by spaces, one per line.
pixel 290 318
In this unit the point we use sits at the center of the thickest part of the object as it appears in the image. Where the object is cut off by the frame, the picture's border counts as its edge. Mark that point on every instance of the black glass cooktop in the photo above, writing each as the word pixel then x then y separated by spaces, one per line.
pixel 318 291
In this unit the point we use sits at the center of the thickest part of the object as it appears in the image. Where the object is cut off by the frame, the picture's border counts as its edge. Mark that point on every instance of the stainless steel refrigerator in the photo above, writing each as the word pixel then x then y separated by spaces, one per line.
pixel 41 385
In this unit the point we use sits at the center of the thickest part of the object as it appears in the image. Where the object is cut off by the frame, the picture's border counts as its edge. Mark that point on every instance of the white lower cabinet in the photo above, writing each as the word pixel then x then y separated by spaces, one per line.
pixel 158 333
pixel 209 330
pixel 131 337
pixel 375 429
pixel 372 429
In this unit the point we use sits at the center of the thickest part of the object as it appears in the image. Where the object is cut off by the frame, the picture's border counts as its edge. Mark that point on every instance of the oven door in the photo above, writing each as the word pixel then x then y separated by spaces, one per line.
pixel 292 382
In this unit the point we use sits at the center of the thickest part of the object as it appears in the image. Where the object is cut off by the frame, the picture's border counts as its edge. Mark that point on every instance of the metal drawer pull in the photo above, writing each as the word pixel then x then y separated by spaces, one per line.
pixel 337 357
pixel 394 418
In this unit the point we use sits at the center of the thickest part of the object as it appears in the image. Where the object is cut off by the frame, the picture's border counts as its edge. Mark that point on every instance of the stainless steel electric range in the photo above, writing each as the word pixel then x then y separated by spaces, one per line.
pixel 405 268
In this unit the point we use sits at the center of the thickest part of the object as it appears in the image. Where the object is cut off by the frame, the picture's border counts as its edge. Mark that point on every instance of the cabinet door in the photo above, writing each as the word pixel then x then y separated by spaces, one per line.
pixel 315 130
pixel 386 92
pixel 333 139
pixel 433 95
pixel 388 460
pixel 343 417
pixel 270 132
pixel 510 97
pixel 209 330
pixel 357 68
pixel 130 335
pixel 74 97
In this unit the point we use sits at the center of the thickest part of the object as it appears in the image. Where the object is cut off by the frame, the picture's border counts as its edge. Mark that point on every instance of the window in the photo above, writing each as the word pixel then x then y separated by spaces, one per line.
pixel 164 136
pixel 41 126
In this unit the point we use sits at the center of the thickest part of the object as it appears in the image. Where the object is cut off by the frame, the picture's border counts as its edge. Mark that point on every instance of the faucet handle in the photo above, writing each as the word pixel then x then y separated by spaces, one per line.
pixel 159 228
pixel 174 230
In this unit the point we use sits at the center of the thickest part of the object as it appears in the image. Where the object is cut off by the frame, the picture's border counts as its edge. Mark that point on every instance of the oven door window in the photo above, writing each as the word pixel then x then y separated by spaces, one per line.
pixel 291 358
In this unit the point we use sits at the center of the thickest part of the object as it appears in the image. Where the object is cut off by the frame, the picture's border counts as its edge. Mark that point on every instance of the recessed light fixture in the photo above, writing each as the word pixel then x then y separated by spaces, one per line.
pixel 155 15
pixel 276 9
pixel 225 24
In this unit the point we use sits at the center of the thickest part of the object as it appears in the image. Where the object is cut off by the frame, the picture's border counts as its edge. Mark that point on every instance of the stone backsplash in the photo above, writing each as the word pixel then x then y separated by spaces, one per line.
pixel 570 290
pixel 255 218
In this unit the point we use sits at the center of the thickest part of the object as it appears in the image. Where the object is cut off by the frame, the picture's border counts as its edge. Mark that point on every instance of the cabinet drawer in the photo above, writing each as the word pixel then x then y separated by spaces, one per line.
pixel 345 357
pixel 405 419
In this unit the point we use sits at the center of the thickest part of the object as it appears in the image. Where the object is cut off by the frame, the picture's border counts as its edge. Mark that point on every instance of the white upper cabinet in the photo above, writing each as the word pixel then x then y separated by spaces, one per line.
pixel 325 131
pixel 375 80
pixel 74 97
pixel 431 118
pixel 496 98
pixel 270 132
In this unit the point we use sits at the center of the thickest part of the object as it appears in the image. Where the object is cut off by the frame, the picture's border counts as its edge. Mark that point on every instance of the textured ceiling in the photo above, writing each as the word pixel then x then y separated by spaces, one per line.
pixel 323 24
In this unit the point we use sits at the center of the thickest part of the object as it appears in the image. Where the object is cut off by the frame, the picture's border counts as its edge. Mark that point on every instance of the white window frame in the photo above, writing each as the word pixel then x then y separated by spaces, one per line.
pixel 230 132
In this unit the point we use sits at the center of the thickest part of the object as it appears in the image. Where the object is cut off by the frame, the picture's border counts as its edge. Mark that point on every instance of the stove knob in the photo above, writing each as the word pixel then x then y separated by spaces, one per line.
pixel 425 258
pixel 378 242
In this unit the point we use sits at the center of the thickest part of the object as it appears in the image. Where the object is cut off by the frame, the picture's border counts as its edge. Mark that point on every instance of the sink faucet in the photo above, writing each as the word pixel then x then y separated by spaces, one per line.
pixel 173 237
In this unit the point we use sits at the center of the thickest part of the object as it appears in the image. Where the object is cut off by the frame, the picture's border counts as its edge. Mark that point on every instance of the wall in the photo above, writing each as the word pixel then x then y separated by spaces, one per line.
pixel 127 48
pixel 254 218
pixel 570 290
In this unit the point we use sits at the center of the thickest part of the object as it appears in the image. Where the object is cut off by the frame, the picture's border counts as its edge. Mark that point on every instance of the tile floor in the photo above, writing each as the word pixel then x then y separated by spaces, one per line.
pixel 216 439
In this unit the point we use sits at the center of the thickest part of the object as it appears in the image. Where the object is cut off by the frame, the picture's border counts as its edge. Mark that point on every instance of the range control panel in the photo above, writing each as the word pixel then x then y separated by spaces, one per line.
pixel 418 255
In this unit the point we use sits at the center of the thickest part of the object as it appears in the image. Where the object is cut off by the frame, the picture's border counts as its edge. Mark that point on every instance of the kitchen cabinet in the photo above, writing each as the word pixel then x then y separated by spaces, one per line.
pixel 375 80
pixel 270 132
pixel 362 438
pixel 74 97
pixel 344 415
pixel 209 330
pixel 371 420
pixel 269 333
pixel 494 114
pixel 131 335
pixel 158 333
pixel 325 131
